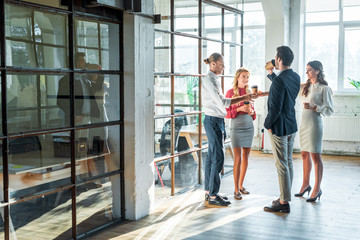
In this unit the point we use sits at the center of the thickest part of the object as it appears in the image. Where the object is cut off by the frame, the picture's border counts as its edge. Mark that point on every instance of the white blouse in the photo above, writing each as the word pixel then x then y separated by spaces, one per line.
pixel 319 95
pixel 213 100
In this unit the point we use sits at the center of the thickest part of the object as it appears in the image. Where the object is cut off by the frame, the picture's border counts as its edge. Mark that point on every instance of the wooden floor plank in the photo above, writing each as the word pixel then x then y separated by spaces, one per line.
pixel 336 216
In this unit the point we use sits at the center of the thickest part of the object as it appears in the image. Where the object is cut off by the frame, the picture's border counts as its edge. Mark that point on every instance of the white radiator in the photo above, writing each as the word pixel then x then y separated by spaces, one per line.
pixel 342 128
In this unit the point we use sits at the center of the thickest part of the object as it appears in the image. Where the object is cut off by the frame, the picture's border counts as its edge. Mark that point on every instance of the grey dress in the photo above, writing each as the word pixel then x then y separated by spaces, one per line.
pixel 241 131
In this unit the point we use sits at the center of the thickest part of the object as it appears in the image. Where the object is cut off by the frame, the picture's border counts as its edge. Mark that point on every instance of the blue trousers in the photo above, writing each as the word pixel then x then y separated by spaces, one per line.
pixel 215 132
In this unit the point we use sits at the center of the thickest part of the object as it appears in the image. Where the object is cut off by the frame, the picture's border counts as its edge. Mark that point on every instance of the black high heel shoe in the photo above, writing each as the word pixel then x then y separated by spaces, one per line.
pixel 314 199
pixel 308 189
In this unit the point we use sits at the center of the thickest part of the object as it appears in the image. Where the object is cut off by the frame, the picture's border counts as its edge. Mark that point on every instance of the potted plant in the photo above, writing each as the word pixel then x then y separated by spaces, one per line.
pixel 355 83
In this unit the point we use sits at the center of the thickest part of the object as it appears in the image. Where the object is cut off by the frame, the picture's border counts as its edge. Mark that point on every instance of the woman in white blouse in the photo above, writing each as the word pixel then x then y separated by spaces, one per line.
pixel 316 97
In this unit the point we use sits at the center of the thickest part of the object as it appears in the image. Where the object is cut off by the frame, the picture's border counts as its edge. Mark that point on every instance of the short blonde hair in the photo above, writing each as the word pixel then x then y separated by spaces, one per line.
pixel 235 83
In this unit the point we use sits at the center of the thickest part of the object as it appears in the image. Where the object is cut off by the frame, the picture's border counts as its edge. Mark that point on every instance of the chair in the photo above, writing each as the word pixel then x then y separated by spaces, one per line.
pixel 165 141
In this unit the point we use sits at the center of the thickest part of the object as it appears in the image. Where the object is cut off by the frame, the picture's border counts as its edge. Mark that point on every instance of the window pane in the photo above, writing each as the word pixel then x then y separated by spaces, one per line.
pixel 211 21
pixel 186 93
pixel 254 56
pixel 40 217
pixel 162 52
pixel 56 4
pixel 97 151
pixel 86 33
pixel 232 58
pixel 322 17
pixel 351 13
pixel 96 95
pixel 162 137
pixel 186 55
pixel 38 163
pixel 232 27
pixel 186 171
pixel 228 83
pixel 254 18
pixel 322 5
pixel 162 179
pixel 162 95
pixel 322 45
pixel 35 39
pixel 186 16
pixel 351 56
pixel 97 205
pixel 208 48
pixel 163 8
pixel 31 100
pixel 348 3
pixel 95 39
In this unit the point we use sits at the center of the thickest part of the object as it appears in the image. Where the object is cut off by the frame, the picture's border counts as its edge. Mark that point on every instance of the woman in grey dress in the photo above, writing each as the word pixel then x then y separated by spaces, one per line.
pixel 241 130
pixel 316 97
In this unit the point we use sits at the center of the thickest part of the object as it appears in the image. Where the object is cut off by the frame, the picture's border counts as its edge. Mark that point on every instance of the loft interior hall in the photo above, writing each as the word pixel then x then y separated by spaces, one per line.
pixel 102 119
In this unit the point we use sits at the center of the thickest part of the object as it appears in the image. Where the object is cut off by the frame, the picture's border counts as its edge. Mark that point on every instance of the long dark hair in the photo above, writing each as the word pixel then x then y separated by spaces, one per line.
pixel 316 65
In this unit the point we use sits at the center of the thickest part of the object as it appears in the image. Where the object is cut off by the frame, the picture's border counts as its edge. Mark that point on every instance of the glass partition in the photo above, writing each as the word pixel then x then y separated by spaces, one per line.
pixel 94 40
pixel 162 52
pixel 177 92
pixel 186 97
pixel 186 55
pixel 38 163
pixel 212 21
pixel 35 39
pixel 32 101
pixel 186 16
pixel 49 156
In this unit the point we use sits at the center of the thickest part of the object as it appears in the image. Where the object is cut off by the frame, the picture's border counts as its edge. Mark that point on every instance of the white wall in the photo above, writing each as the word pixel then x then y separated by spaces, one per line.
pixel 139 112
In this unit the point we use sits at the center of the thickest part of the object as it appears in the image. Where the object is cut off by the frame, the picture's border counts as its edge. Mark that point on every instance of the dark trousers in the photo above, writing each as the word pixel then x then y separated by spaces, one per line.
pixel 215 132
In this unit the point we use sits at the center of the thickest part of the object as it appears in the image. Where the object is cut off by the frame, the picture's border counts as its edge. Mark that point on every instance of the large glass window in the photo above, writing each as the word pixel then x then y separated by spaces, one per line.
pixel 180 141
pixel 331 36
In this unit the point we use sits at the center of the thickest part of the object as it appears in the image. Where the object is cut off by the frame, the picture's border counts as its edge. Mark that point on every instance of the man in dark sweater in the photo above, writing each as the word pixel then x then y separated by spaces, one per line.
pixel 281 123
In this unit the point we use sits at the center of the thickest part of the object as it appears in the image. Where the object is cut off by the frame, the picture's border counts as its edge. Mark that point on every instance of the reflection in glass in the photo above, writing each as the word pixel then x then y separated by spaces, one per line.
pixel 97 98
pixel 97 151
pixel 163 8
pixel 211 21
pixel 35 39
pixel 47 217
pixel 95 39
pixel 186 16
pixel 351 56
pixel 186 171
pixel 318 42
pixel 38 163
pixel 162 52
pixel 162 95
pixel 186 55
pixel 31 100
pixel 97 205
pixel 186 93
pixel 162 178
